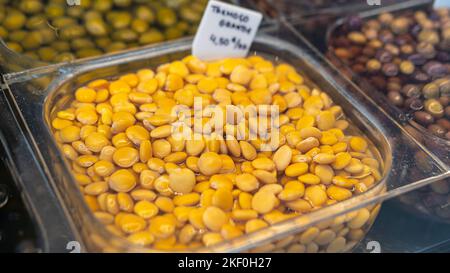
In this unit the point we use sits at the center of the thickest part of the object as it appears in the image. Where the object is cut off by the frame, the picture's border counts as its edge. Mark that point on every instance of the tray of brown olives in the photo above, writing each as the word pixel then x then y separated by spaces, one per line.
pixel 400 57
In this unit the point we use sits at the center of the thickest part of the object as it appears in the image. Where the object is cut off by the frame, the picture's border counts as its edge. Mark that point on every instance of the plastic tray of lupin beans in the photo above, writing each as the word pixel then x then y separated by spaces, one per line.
pixel 411 110
pixel 42 99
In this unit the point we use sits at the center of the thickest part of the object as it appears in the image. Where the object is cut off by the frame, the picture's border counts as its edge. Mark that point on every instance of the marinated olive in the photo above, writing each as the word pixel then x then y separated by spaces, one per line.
pixel 14 20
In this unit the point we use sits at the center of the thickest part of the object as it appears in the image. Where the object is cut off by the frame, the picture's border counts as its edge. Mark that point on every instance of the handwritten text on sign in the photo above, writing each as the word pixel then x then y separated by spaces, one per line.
pixel 225 31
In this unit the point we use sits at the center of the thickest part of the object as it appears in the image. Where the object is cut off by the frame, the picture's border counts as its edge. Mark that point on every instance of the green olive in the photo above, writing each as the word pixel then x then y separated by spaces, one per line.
pixel 173 33
pixel 32 55
pixel 139 25
pixel 61 22
pixel 36 22
pixel 183 26
pixel 150 37
pixel 119 20
pixel 48 35
pixel 47 54
pixel 33 40
pixel 17 36
pixel 76 12
pixel 116 46
pixel 70 32
pixel 126 35
pixel 166 17
pixel 82 43
pixel 14 20
pixel 2 14
pixel 199 6
pixel 64 57
pixel 3 32
pixel 92 14
pixel 31 6
pixel 190 15
pixel 96 27
pixel 88 52
pixel 54 10
pixel 192 30
pixel 122 3
pixel 85 4
pixel 60 46
pixel 102 5
pixel 103 42
pixel 16 47
pixel 132 45
pixel 145 13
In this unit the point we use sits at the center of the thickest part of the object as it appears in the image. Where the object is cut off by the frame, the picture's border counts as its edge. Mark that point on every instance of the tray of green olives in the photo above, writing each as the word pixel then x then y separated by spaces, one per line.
pixel 53 31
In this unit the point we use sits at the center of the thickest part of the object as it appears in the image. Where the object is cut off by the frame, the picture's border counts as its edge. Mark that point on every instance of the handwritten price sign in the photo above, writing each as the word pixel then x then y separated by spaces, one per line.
pixel 225 31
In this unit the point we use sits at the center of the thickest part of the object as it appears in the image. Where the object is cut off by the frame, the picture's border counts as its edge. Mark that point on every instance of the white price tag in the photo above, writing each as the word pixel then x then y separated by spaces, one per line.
pixel 441 3
pixel 225 31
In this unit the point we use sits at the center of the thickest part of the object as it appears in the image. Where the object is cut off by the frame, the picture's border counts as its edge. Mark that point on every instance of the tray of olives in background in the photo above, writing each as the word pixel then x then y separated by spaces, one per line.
pixel 400 57
pixel 404 56
pixel 297 9
pixel 52 31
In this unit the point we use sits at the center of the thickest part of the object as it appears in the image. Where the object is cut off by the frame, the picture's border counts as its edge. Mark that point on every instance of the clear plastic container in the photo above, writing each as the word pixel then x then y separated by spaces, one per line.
pixel 430 201
pixel 34 95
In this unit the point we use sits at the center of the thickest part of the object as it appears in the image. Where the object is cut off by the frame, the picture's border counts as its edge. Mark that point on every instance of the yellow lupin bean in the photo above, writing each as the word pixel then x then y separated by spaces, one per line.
pixel 264 201
pixel 316 195
pixel 104 168
pixel 162 226
pixel 59 124
pixel 358 144
pixel 254 225
pixel 247 182
pixel 209 163
pixel 85 94
pixel 282 157
pixel 70 134
pixel 263 164
pixel 296 169
pixel 223 199
pixel 338 193
pixel 214 218
pixel 145 209
pixel 182 180
pixel 161 148
pixel 142 238
pixel 130 223
pixel 122 181
pixel 309 179
pixel 126 157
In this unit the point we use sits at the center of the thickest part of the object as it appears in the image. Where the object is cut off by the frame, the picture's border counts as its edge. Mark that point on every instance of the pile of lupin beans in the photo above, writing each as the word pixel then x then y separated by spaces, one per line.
pixel 168 193
pixel 406 56
pixel 53 31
